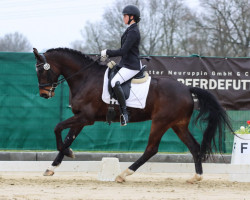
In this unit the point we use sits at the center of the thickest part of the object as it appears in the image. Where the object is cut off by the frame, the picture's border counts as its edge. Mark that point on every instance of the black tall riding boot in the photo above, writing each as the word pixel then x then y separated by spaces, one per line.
pixel 122 101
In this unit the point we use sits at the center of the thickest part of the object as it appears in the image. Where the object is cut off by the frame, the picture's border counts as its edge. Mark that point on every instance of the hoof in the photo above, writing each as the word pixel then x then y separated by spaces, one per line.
pixel 48 173
pixel 119 179
pixel 196 178
pixel 69 153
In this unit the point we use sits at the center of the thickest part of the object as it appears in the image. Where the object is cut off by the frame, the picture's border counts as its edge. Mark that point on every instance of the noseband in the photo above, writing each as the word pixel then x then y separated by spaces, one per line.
pixel 46 66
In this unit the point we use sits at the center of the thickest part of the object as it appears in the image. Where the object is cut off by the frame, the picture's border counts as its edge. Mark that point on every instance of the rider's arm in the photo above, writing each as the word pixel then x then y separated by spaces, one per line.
pixel 131 38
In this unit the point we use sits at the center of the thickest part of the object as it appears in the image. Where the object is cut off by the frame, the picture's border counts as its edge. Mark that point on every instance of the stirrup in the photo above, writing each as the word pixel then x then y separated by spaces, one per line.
pixel 123 120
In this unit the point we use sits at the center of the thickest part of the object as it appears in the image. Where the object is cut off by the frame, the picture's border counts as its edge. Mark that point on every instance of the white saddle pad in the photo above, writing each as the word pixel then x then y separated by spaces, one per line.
pixel 138 93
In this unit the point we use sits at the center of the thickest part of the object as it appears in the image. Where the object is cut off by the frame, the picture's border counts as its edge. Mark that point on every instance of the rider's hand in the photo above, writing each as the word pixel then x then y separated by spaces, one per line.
pixel 104 55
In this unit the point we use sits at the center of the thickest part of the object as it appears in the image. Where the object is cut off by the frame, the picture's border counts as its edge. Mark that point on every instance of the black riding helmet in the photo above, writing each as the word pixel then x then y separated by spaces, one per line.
pixel 132 10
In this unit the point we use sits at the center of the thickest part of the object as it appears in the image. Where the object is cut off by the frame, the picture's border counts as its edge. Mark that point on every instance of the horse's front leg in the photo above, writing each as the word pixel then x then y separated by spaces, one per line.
pixel 75 123
pixel 73 133
pixel 66 151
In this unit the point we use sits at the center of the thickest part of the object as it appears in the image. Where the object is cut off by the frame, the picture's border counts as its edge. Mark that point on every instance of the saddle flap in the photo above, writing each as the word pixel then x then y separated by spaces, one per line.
pixel 125 86
pixel 140 77
pixel 137 97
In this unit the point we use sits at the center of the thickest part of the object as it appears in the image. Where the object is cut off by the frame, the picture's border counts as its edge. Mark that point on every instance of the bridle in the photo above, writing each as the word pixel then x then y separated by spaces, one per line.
pixel 46 66
pixel 51 83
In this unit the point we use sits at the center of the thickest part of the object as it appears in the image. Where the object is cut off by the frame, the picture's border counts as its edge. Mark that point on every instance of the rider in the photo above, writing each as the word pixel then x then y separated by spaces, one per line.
pixel 129 51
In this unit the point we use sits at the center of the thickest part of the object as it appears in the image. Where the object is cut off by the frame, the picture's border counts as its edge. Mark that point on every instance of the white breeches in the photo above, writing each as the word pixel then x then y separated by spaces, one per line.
pixel 123 75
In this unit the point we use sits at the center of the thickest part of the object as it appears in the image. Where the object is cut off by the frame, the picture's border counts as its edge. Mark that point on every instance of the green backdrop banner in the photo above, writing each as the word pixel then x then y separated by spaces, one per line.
pixel 27 121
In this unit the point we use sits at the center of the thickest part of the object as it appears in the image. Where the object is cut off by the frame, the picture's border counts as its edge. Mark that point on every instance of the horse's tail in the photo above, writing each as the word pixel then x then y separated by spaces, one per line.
pixel 215 116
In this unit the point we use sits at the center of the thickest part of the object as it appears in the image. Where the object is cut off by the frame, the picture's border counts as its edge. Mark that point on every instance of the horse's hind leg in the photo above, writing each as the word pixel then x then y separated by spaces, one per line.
pixel 194 147
pixel 157 131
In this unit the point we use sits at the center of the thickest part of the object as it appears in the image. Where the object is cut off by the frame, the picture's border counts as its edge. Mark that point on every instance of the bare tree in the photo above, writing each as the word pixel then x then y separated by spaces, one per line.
pixel 151 29
pixel 78 45
pixel 159 32
pixel 106 33
pixel 15 42
pixel 177 22
pixel 229 27
pixel 94 37
pixel 91 39
pixel 171 28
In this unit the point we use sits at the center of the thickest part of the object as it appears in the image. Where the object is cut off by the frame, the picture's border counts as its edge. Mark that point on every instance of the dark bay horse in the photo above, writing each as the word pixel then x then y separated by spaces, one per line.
pixel 169 105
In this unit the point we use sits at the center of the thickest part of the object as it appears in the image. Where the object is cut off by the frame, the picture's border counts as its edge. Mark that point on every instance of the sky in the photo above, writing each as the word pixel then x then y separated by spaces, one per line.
pixel 53 23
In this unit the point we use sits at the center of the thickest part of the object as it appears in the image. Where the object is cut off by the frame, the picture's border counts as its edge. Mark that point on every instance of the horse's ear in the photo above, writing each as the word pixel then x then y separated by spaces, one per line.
pixel 37 55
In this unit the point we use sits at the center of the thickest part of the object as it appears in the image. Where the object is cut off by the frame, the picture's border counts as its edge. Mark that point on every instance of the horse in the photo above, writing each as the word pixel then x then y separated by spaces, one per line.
pixel 169 104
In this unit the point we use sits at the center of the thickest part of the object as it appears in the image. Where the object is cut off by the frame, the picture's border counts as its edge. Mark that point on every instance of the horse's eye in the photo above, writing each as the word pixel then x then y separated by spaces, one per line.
pixel 39 70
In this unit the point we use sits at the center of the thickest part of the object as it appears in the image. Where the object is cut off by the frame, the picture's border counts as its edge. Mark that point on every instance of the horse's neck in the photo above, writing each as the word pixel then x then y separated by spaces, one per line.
pixel 80 76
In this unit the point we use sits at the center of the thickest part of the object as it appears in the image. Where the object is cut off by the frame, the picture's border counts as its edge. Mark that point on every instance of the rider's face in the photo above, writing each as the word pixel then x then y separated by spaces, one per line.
pixel 125 19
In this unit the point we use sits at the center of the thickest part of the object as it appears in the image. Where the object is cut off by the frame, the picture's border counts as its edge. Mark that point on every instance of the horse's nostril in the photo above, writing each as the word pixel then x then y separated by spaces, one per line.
pixel 44 95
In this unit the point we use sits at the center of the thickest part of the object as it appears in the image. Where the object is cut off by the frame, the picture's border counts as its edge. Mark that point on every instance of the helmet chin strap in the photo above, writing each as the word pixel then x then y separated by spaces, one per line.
pixel 130 20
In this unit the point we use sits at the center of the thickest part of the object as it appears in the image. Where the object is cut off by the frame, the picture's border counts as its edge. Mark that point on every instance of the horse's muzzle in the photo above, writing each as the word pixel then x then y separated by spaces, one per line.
pixel 46 93
pixel 46 96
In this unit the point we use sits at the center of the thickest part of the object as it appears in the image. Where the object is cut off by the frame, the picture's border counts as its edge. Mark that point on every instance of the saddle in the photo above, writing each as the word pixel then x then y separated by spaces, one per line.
pixel 113 69
pixel 141 77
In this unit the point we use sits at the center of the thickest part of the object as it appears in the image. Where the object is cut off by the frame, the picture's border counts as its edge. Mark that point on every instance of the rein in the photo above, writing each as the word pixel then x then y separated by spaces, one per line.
pixel 46 66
